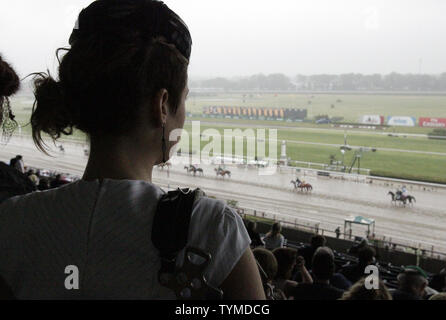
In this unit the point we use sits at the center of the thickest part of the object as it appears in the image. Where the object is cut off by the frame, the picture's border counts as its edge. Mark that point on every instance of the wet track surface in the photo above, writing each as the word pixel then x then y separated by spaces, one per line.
pixel 330 202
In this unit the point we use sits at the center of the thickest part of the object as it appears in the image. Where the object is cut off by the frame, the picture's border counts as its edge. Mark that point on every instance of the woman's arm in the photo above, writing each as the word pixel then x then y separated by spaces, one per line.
pixel 244 283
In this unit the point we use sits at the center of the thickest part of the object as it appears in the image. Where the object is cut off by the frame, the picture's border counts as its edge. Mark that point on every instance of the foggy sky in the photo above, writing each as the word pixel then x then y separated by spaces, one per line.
pixel 244 37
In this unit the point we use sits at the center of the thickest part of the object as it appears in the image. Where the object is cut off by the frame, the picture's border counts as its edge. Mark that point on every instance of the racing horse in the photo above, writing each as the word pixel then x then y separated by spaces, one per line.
pixel 402 199
pixel 222 172
pixel 164 164
pixel 302 186
pixel 194 169
pixel 189 169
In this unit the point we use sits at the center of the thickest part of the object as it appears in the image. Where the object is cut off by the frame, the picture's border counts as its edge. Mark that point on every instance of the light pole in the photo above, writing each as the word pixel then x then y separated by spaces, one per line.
pixel 343 155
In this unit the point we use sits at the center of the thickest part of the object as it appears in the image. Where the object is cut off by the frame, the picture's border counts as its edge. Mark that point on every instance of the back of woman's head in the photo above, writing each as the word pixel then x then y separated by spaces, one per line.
pixel 359 292
pixel 286 259
pixel 123 52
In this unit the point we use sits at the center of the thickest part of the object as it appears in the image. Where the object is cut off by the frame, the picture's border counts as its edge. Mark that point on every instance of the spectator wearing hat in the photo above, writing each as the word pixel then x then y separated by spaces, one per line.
pixel 411 285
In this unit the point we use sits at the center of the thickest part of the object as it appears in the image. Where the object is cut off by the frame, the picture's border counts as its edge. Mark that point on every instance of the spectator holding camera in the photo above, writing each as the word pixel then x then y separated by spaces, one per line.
pixel 287 261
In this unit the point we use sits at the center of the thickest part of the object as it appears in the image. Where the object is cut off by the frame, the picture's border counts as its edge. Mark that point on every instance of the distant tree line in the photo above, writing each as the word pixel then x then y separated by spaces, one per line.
pixel 327 82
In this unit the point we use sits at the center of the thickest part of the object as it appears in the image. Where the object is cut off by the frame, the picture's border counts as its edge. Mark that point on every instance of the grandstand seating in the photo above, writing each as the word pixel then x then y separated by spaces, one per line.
pixel 387 271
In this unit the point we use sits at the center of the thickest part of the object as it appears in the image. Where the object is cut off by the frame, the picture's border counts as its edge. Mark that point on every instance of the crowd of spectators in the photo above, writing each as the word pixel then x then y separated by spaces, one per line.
pixel 311 272
pixel 40 179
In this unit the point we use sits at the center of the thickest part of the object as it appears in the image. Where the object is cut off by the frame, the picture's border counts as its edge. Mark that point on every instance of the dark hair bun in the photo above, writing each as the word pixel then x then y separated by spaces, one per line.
pixel 9 81
pixel 49 113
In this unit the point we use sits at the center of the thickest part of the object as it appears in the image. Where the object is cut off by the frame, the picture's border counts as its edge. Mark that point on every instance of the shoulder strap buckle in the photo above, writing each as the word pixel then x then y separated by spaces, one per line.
pixel 169 235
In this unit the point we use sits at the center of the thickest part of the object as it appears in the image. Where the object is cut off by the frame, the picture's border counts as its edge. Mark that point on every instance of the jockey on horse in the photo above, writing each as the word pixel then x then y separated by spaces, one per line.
pixel 299 182
pixel 402 194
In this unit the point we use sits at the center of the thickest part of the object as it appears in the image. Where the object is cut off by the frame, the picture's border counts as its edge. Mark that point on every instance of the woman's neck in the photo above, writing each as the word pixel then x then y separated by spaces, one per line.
pixel 120 159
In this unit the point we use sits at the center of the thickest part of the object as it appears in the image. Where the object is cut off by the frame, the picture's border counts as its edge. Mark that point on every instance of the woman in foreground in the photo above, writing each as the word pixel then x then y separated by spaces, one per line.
pixel 124 83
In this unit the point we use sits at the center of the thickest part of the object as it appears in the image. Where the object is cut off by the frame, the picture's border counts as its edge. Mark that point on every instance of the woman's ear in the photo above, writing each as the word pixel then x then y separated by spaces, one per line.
pixel 161 106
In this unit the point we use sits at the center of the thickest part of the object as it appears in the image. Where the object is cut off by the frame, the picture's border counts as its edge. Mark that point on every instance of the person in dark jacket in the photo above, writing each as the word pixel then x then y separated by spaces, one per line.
pixel 307 252
pixel 44 184
pixel 256 240
pixel 438 281
pixel 354 272
pixel 57 182
pixel 13 182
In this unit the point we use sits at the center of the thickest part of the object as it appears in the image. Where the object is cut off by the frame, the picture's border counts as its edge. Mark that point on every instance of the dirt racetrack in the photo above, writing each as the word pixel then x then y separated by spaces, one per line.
pixel 330 202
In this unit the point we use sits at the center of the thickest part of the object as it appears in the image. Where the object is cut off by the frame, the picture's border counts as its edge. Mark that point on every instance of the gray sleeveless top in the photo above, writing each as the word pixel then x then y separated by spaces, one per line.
pixel 104 230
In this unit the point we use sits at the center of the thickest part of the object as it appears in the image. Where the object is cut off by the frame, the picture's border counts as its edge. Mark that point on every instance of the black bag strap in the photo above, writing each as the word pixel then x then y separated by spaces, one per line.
pixel 171 225
pixel 169 235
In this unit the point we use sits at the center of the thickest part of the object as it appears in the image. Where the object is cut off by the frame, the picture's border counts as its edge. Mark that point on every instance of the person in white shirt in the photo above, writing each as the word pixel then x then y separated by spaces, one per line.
pixel 274 239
